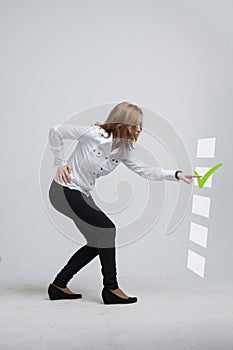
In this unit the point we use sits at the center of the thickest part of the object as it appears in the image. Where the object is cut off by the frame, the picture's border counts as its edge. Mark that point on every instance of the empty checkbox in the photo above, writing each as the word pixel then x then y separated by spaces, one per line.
pixel 201 205
pixel 206 148
pixel 196 263
pixel 198 234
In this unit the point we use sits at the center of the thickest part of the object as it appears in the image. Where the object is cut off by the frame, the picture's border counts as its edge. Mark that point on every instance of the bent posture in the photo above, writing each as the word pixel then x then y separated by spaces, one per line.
pixel 101 148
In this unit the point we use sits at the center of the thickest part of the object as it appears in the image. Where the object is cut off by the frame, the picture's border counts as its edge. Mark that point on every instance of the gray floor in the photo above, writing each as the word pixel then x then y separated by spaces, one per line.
pixel 170 314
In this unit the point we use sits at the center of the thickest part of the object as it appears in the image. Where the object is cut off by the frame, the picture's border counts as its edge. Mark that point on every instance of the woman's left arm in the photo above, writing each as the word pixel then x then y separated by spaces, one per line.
pixel 154 173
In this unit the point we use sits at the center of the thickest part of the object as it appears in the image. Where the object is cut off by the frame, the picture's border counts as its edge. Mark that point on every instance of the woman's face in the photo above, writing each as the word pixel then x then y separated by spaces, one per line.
pixel 138 129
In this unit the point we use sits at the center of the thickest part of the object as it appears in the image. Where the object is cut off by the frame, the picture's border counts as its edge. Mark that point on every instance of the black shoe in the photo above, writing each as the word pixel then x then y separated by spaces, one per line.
pixel 111 298
pixel 56 293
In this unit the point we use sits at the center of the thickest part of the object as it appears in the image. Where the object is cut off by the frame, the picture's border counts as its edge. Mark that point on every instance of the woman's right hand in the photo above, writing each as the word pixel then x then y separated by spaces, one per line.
pixel 63 173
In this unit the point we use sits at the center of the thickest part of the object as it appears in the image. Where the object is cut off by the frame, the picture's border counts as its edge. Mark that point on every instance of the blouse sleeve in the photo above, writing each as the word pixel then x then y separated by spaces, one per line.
pixel 65 131
pixel 148 172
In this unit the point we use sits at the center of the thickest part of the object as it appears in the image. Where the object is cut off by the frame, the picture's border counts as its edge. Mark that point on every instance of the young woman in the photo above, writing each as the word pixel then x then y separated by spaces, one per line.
pixel 101 148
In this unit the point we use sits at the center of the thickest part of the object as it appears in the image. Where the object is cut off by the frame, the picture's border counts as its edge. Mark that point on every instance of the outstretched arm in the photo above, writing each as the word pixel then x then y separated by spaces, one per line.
pixel 154 173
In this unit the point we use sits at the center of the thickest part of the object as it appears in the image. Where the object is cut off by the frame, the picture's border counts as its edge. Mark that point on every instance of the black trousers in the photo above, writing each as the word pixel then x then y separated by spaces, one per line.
pixel 97 228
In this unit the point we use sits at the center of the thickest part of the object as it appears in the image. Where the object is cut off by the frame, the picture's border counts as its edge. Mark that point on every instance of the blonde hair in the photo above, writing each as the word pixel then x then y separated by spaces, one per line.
pixel 122 122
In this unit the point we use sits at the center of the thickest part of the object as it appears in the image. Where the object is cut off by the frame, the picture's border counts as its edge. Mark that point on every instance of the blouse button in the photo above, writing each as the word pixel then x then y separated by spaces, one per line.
pixel 93 150
pixel 94 173
pixel 116 161
pixel 106 157
pixel 90 183
pixel 101 168
pixel 98 152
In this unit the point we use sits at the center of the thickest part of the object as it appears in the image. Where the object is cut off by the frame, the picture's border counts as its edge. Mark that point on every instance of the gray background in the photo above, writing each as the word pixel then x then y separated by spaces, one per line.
pixel 59 58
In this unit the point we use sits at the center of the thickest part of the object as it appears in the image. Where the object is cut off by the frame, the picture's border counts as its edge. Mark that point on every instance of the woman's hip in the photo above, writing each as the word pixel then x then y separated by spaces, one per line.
pixel 78 206
pixel 58 198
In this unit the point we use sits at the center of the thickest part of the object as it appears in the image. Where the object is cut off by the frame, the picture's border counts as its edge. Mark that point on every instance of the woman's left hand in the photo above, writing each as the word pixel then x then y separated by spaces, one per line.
pixel 187 178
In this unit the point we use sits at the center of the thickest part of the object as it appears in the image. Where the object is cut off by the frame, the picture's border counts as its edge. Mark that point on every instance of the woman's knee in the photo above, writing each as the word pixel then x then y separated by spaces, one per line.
pixel 106 236
pixel 110 228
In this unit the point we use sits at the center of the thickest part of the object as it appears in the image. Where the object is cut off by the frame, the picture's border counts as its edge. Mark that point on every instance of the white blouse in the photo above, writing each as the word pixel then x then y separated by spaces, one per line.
pixel 93 157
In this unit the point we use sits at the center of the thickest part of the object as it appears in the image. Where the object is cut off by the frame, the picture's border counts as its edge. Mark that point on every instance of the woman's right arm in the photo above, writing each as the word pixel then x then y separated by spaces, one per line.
pixel 56 136
pixel 65 131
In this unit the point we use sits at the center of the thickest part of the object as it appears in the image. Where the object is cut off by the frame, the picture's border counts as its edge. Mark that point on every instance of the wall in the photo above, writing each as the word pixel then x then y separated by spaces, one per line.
pixel 59 58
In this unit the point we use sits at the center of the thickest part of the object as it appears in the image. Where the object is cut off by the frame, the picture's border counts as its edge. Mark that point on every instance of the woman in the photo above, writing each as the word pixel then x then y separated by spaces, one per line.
pixel 100 149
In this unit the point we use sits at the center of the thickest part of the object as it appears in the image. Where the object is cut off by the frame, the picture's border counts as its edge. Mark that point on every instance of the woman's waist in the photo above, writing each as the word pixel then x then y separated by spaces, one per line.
pixel 69 186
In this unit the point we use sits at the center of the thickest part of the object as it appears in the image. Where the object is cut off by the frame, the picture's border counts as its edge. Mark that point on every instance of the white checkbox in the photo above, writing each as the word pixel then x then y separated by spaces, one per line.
pixel 201 205
pixel 196 263
pixel 202 171
pixel 198 234
pixel 206 148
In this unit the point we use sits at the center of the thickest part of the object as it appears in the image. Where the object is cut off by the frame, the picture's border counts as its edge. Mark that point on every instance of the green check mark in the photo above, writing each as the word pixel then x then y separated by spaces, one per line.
pixel 204 178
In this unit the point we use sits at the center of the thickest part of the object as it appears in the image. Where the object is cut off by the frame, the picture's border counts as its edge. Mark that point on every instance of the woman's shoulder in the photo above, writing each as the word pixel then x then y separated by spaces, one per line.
pixel 93 130
pixel 96 128
pixel 99 131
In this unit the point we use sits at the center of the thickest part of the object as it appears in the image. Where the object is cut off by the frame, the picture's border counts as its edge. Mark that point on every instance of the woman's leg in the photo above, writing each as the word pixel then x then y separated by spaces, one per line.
pixel 80 258
pixel 96 227
pixel 99 231
pixel 83 255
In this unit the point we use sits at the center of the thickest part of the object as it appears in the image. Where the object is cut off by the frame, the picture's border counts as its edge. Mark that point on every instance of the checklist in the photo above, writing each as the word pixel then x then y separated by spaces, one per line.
pixel 201 205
